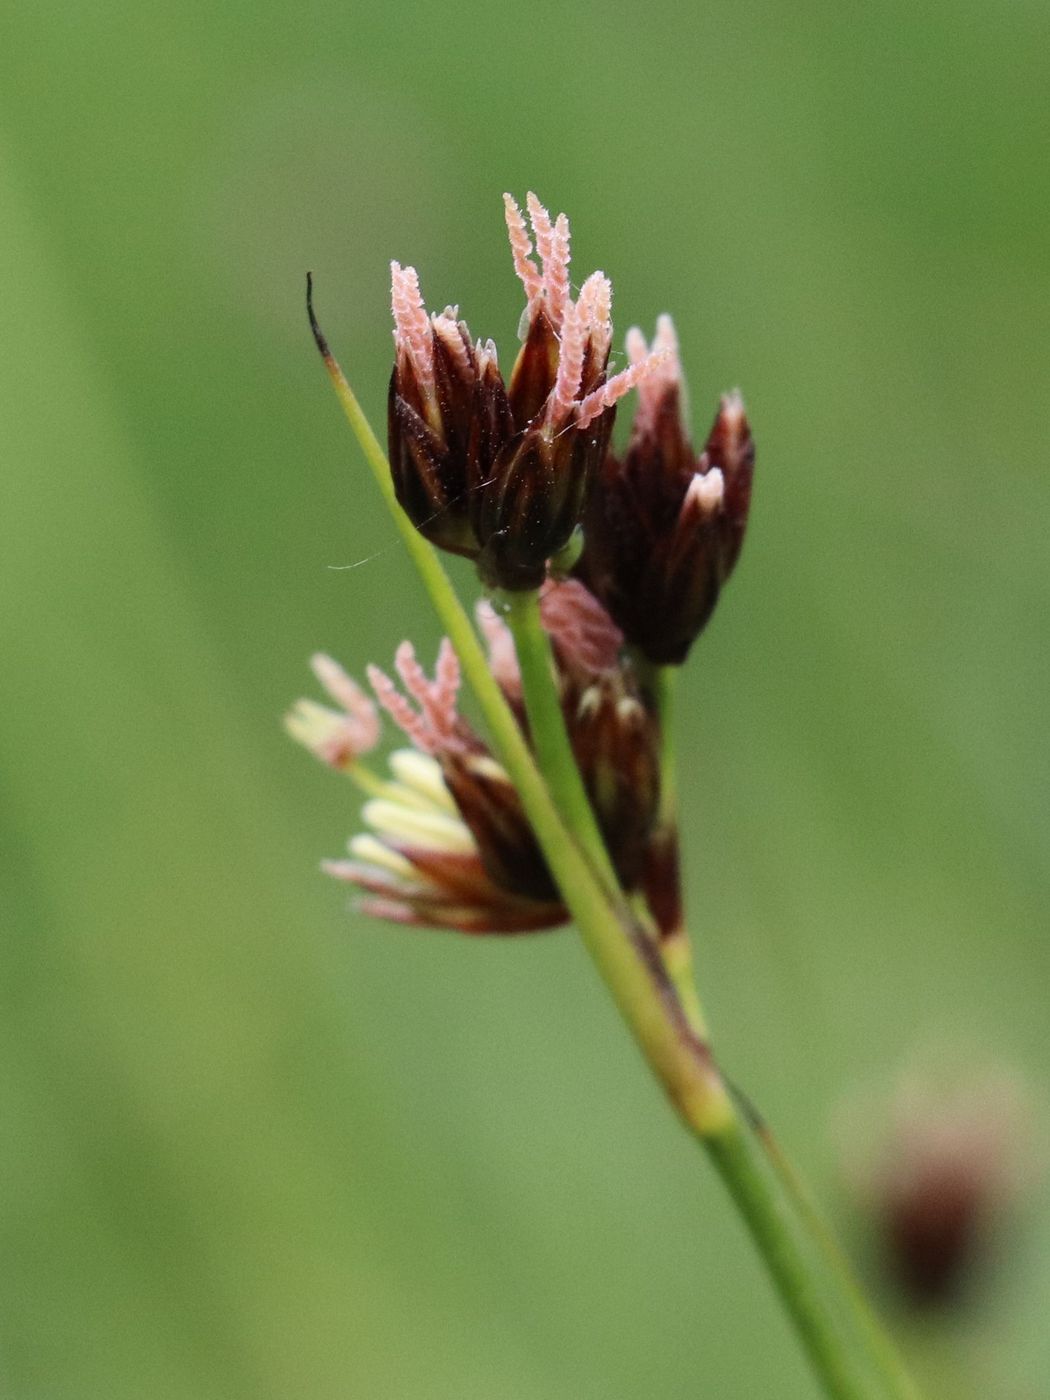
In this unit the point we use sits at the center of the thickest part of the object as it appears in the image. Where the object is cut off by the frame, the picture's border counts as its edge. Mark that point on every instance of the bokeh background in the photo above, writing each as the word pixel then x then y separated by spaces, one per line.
pixel 255 1146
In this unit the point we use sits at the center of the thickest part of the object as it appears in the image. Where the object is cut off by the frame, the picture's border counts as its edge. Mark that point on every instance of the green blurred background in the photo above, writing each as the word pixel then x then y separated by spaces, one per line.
pixel 253 1146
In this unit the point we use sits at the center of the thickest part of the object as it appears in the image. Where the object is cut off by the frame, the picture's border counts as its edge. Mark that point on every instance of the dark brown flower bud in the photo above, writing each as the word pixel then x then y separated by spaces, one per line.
pixel 490 806
pixel 615 740
pixel 500 474
pixel 663 527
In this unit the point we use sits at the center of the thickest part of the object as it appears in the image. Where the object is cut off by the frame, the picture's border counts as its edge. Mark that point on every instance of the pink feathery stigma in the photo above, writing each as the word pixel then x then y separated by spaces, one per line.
pixel 521 247
pixel 348 694
pixel 503 659
pixel 447 677
pixel 595 302
pixel 570 363
pixel 602 318
pixel 556 272
pixel 552 244
pixel 636 345
pixel 412 331
pixel 412 725
pixel 583 631
pixel 615 388
pixel 542 228
pixel 436 698
pixel 447 327
pixel 654 386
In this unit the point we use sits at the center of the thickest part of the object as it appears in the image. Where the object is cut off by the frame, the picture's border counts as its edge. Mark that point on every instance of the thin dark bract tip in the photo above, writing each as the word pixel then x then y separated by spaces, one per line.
pixel 318 334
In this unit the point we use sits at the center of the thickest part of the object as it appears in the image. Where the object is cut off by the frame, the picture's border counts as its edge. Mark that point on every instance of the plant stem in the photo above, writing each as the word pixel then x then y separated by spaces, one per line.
pixel 818 1230
pixel 849 1353
pixel 837 1341
pixel 554 753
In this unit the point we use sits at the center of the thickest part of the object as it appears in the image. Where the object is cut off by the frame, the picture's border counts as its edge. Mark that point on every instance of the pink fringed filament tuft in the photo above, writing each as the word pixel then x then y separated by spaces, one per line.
pixel 412 329
pixel 521 247
pixel 617 386
pixel 570 363
pixel 653 389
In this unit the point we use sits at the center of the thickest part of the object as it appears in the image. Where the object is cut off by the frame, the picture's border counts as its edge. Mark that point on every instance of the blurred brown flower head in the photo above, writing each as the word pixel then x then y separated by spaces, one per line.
pixel 939 1188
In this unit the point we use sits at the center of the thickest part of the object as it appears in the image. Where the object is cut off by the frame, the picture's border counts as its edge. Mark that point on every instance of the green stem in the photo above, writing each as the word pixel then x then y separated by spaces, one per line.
pixel 818 1230
pixel 550 737
pixel 840 1344
pixel 853 1362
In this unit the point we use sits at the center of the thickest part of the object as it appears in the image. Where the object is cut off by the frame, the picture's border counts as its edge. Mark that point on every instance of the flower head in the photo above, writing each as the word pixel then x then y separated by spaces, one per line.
pixel 500 471
pixel 448 843
pixel 664 526
pixel 940 1175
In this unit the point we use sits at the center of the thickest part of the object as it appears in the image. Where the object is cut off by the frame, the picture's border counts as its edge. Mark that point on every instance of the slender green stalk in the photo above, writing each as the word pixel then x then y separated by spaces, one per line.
pixel 817 1228
pixel 554 752
pixel 842 1349
pixel 853 1362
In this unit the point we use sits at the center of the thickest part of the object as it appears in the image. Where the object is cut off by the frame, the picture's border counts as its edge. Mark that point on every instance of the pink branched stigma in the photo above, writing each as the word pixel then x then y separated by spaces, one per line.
pixel 615 388
pixel 595 302
pixel 653 388
pixel 336 737
pixel 556 272
pixel 503 659
pixel 433 727
pixel 585 636
pixel 542 228
pixel 552 244
pixel 570 362
pixel 521 247
pixel 349 696
pixel 578 625
pixel 412 327
pixel 585 322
